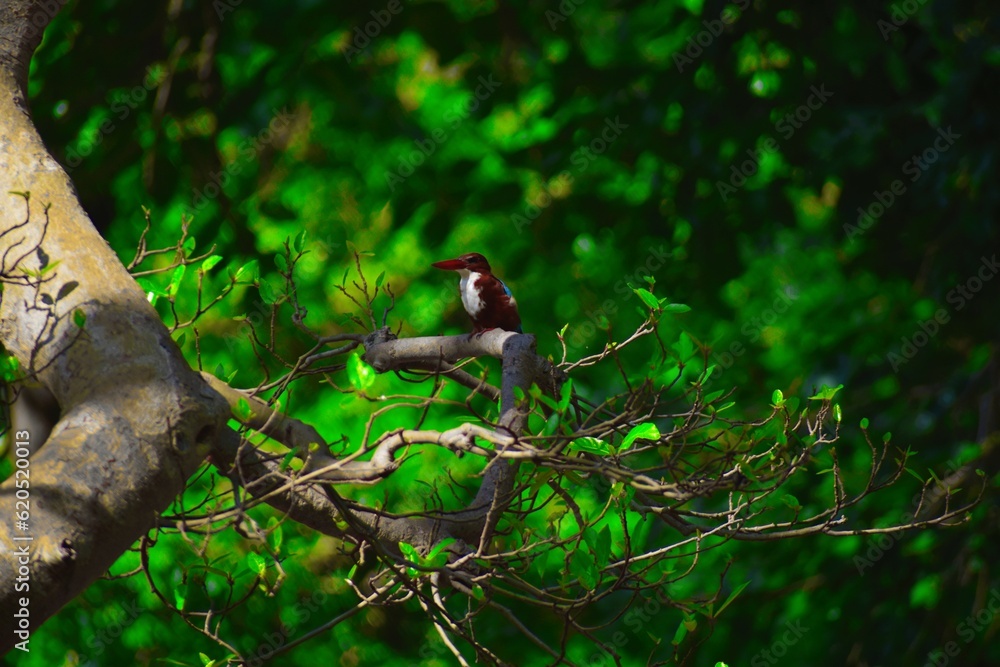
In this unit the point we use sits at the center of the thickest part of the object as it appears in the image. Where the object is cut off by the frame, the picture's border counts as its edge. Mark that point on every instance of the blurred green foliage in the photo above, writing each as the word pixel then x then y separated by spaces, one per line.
pixel 721 150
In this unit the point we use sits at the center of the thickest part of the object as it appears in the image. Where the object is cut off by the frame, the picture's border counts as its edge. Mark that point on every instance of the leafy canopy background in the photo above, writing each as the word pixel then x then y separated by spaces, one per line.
pixel 475 127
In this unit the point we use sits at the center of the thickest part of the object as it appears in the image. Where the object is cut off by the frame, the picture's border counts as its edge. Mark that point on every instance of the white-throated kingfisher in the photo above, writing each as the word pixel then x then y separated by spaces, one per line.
pixel 486 299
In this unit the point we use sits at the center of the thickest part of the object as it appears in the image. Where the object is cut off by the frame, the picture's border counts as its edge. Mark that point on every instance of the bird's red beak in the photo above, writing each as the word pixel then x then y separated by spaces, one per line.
pixel 449 265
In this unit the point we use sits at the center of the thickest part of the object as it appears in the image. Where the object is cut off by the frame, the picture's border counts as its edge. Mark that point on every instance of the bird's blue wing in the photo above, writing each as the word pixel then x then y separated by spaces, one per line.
pixel 506 290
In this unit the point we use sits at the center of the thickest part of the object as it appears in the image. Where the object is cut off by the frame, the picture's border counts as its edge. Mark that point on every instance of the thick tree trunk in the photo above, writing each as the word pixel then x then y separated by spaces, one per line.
pixel 136 420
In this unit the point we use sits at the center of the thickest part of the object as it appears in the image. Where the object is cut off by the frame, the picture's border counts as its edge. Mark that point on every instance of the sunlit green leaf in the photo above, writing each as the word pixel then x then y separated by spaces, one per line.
pixel 591 446
pixel 210 262
pixel 175 279
pixel 243 411
pixel 248 272
pixel 565 395
pixel 256 563
pixel 645 431
pixel 826 393
pixel 648 298
pixel 359 374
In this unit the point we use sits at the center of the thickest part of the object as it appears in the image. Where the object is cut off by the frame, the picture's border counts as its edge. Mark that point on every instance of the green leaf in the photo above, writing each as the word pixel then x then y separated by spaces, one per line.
pixel 10 368
pixel 836 412
pixel 887 437
pixel 281 262
pixel 299 241
pixel 175 280
pixel 682 630
pixel 676 308
pixel 826 393
pixel 478 592
pixel 599 543
pixel 243 411
pixel 441 546
pixel 565 395
pixel 150 288
pixel 189 245
pixel 248 272
pixel 712 396
pixel 179 597
pixel 410 552
pixel 210 262
pixel 359 374
pixel 378 281
pixel 79 318
pixel 256 563
pixel 585 567
pixel 732 596
pixel 791 502
pixel 777 398
pixel 648 298
pixel 276 535
pixel 438 557
pixel 864 423
pixel 591 446
pixel 267 294
pixel 51 267
pixel 645 431
pixel 552 424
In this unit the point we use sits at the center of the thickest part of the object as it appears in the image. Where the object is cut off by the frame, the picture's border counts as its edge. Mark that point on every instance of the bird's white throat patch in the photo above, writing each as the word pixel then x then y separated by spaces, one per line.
pixel 467 286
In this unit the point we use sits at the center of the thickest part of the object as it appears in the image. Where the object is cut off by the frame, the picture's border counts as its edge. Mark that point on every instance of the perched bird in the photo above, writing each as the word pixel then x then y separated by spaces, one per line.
pixel 486 299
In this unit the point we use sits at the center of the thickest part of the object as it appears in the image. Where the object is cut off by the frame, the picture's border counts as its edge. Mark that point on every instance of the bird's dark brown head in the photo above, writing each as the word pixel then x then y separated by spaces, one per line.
pixel 472 261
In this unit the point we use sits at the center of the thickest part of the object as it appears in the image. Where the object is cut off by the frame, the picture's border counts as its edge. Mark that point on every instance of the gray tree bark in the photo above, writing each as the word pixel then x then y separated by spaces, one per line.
pixel 136 420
